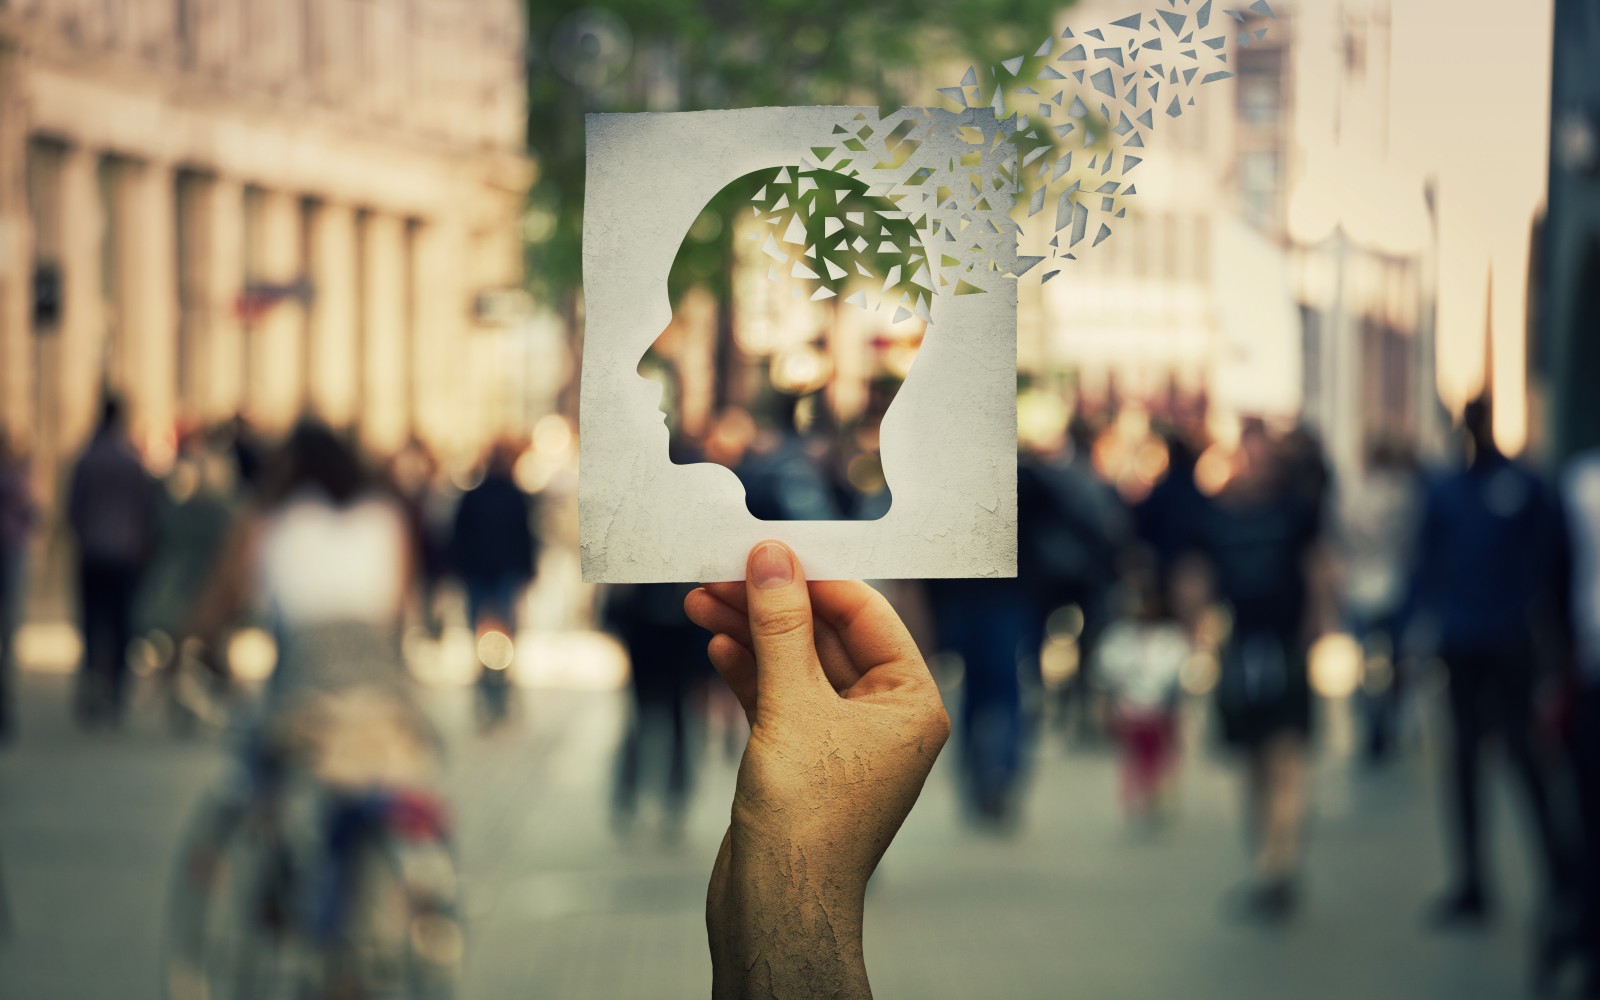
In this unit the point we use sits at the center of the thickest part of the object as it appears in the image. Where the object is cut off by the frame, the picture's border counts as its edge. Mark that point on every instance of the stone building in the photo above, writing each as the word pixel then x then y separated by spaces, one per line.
pixel 253 206
pixel 1279 261
pixel 1156 314
pixel 1569 309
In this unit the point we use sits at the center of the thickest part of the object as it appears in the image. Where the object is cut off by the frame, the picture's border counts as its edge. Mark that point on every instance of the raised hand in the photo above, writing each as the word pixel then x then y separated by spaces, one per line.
pixel 846 723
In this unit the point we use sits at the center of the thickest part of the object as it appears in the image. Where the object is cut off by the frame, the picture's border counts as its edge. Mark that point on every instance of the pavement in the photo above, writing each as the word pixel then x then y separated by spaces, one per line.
pixel 1073 903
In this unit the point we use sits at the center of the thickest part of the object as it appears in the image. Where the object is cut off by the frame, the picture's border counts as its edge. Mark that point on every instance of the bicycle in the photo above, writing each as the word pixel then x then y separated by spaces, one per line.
pixel 318 882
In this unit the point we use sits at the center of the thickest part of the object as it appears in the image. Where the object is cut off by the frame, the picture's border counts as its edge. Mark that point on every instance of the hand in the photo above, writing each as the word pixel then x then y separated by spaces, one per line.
pixel 846 723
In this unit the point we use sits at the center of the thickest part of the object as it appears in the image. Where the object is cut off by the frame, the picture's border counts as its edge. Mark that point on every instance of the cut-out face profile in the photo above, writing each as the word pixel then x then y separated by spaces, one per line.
pixel 799 303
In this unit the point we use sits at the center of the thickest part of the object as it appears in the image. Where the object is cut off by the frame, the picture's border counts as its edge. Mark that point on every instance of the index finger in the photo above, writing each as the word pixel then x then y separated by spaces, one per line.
pixel 867 625
pixel 730 593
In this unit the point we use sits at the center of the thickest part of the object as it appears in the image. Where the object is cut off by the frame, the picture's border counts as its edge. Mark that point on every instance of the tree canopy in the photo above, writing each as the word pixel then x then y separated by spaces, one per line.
pixel 685 55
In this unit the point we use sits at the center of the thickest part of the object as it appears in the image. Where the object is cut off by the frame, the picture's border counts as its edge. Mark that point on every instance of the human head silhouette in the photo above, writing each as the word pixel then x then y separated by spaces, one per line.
pixel 821 294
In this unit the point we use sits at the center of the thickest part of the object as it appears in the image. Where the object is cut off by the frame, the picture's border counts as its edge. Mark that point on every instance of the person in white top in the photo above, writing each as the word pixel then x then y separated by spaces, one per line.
pixel 337 782
pixel 325 561
pixel 1376 537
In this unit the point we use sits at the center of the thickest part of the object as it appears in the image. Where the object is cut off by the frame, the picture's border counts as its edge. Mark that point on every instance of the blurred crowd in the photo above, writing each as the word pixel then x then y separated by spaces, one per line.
pixel 168 565
pixel 1160 564
pixel 1164 561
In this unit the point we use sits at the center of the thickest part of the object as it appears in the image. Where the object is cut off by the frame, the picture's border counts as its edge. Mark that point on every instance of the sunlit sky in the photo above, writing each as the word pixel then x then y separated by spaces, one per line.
pixel 1469 105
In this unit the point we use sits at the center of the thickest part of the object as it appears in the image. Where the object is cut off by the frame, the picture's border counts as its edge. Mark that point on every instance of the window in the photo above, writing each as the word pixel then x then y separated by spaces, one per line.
pixel 1259 183
pixel 1260 95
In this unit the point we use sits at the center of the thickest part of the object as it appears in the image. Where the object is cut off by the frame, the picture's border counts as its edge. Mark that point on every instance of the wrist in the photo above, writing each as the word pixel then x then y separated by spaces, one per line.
pixel 784 920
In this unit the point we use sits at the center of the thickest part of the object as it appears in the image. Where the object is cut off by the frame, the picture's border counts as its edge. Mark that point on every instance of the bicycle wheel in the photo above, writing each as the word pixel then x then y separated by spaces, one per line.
pixel 402 938
pixel 230 928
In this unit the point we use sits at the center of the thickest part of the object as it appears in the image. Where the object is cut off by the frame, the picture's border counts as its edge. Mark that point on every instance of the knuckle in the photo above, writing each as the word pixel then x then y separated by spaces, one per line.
pixel 875 606
pixel 778 622
pixel 876 610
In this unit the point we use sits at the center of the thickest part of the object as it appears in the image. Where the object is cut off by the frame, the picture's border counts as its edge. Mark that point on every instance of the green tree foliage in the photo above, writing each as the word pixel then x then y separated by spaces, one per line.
pixel 818 226
pixel 684 55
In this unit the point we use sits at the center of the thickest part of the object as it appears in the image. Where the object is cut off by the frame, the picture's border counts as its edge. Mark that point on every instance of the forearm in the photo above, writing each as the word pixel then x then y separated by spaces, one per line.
pixel 784 925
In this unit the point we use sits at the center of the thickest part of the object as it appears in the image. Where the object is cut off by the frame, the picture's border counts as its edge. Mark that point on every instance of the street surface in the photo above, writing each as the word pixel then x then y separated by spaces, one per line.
pixel 1074 904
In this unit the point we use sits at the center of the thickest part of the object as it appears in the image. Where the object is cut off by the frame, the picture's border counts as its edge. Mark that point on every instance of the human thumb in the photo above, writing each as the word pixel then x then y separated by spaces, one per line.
pixel 780 625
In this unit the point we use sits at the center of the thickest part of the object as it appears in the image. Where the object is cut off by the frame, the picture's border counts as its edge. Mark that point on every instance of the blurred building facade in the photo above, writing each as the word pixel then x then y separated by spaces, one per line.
pixel 1569 309
pixel 250 206
pixel 1363 233
pixel 1188 307
pixel 1277 262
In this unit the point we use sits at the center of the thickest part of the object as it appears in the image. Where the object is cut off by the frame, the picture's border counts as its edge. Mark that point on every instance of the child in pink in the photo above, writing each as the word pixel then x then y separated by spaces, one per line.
pixel 1138 664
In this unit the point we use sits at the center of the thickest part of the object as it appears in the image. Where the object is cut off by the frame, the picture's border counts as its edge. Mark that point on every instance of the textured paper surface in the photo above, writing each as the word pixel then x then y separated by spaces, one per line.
pixel 948 440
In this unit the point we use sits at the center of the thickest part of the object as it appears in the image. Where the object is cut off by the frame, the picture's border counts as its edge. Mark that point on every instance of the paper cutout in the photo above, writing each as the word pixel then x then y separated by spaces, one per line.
pixel 806 448
pixel 1136 63
pixel 948 441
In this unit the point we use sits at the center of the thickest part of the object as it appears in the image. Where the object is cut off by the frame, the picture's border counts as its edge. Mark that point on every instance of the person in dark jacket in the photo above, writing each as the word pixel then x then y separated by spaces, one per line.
pixel 996 627
pixel 112 505
pixel 494 552
pixel 1580 496
pixel 1072 528
pixel 666 665
pixel 989 624
pixel 1258 544
pixel 1487 556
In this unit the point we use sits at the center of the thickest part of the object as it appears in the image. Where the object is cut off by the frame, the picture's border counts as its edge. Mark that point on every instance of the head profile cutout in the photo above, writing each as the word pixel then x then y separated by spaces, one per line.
pixel 799 303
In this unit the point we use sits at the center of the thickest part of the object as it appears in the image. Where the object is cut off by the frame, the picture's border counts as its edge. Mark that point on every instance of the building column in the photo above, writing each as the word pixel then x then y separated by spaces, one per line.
pixel 495 257
pixel 333 370
pixel 146 253
pixel 212 278
pixel 83 318
pixel 273 393
pixel 384 318
pixel 440 344
pixel 16 252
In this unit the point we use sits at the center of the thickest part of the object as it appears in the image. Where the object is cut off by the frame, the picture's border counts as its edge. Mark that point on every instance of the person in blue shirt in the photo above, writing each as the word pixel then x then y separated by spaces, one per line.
pixel 1488 551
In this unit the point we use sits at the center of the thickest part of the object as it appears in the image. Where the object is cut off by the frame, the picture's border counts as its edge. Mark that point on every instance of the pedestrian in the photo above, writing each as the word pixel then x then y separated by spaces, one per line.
pixel 1169 516
pixel 249 454
pixel 1072 529
pixel 112 505
pixel 194 516
pixel 1377 532
pixel 494 552
pixel 17 516
pixel 1487 557
pixel 1139 664
pixel 321 557
pixel 1259 547
pixel 666 666
pixel 414 475
pixel 1581 496
pixel 988 624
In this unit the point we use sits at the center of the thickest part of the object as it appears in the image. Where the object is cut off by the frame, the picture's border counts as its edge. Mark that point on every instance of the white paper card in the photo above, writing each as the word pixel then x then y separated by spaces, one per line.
pixel 948 442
